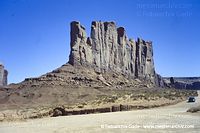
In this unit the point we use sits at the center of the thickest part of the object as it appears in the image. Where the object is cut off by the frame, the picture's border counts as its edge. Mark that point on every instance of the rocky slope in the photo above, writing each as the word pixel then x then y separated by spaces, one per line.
pixel 67 84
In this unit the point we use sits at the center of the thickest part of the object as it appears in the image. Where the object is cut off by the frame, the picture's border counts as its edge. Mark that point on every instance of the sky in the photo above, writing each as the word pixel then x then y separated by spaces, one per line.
pixel 35 34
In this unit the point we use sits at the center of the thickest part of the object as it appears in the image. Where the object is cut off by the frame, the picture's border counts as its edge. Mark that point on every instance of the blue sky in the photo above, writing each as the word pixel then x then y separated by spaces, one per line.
pixel 34 34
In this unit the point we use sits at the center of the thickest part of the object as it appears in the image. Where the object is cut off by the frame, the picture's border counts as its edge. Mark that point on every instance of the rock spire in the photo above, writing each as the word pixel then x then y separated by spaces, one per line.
pixel 3 76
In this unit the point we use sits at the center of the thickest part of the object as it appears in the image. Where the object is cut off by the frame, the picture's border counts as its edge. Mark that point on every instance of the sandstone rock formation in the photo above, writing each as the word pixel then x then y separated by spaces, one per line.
pixel 107 72
pixel 3 76
pixel 109 49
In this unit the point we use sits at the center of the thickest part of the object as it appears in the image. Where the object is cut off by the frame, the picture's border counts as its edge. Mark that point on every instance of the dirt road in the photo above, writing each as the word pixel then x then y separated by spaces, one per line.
pixel 172 118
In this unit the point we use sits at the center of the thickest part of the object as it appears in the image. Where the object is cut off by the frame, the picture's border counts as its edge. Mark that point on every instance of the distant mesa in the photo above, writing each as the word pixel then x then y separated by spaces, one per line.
pixel 3 75
pixel 189 83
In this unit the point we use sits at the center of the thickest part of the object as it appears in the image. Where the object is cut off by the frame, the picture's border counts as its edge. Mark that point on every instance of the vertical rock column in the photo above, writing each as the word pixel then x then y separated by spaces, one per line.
pixel 111 49
pixel 126 52
pixel 149 64
pixel 144 67
pixel 3 76
pixel 121 48
pixel 81 52
pixel 138 59
pixel 104 45
pixel 98 46
pixel 132 57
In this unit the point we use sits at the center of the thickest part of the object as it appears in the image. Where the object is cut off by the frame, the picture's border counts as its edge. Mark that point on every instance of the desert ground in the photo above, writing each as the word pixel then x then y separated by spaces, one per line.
pixel 173 118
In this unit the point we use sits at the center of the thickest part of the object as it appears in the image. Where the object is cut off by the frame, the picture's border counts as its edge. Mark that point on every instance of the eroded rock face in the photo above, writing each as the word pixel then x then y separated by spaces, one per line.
pixel 3 76
pixel 109 49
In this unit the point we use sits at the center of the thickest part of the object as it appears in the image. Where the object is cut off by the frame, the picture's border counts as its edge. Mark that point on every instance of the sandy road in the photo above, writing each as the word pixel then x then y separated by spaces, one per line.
pixel 171 119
